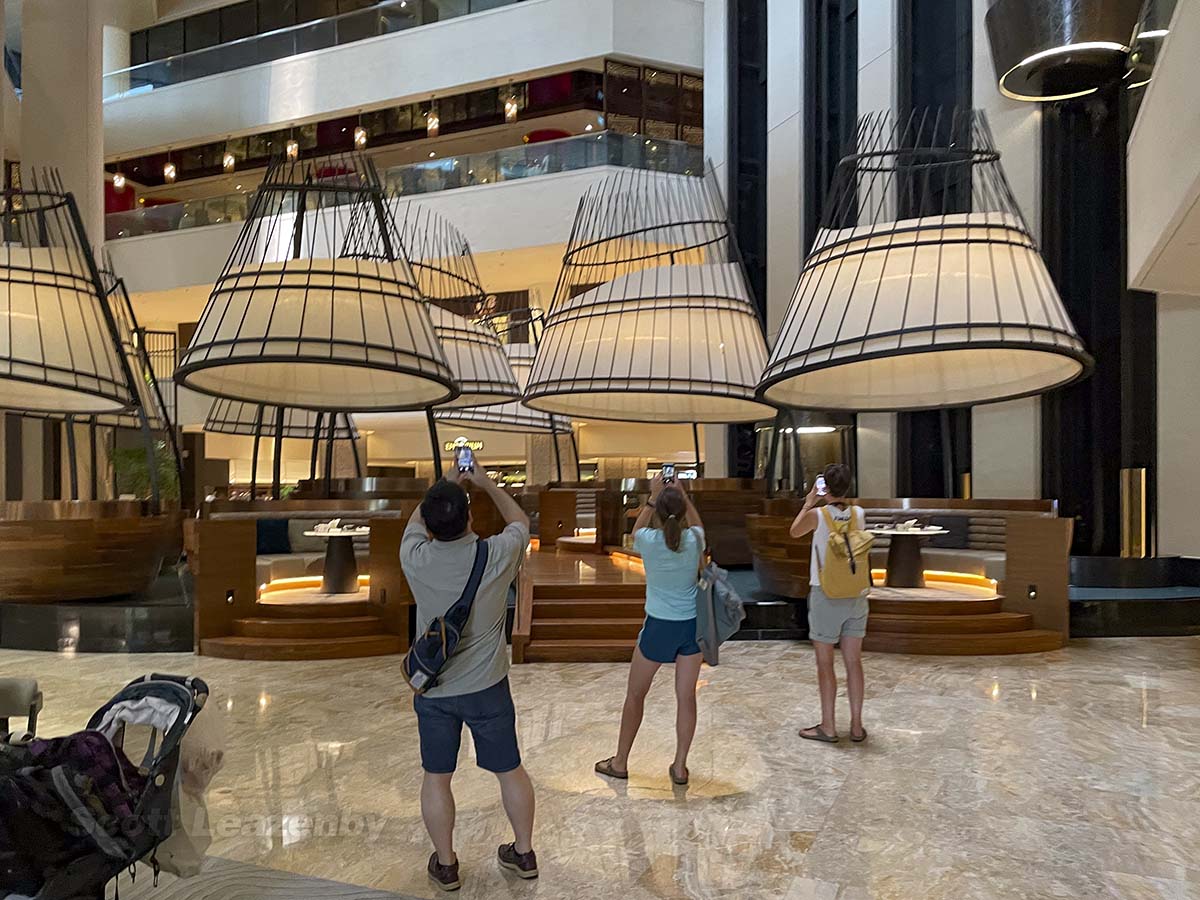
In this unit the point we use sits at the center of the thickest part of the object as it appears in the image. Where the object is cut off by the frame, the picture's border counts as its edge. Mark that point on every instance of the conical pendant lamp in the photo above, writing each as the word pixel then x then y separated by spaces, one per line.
pixel 302 318
pixel 449 281
pixel 519 332
pixel 59 345
pixel 250 419
pixel 652 319
pixel 924 287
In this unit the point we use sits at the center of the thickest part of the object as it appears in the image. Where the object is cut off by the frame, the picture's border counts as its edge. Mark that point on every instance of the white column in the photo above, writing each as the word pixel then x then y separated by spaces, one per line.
pixel 61 106
pixel 115 56
pixel 785 157
pixel 1006 447
pixel 716 89
pixel 716 148
pixel 876 455
pixel 1178 425
pixel 876 433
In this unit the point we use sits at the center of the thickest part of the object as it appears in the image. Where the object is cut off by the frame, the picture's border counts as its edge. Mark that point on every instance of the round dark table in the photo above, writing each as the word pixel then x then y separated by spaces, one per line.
pixel 905 568
pixel 341 567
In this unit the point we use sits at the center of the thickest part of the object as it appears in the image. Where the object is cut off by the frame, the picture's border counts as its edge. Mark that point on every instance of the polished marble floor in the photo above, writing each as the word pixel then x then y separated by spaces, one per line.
pixel 1068 774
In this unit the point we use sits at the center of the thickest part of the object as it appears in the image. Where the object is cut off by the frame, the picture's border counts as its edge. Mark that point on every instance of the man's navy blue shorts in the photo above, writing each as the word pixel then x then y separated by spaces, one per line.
pixel 662 640
pixel 488 713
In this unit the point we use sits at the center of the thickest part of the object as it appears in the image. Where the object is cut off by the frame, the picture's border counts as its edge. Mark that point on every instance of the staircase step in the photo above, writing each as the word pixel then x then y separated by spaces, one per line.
pixel 585 628
pixel 962 606
pixel 589 609
pixel 580 651
pixel 322 610
pixel 616 591
pixel 301 648
pixel 1031 641
pixel 914 623
pixel 339 627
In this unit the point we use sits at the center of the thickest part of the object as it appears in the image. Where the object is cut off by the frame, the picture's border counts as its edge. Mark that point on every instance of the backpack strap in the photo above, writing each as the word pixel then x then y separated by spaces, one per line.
pixel 457 614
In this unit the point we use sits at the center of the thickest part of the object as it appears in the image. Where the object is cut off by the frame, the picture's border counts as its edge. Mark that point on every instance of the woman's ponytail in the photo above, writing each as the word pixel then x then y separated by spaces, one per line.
pixel 672 532
pixel 671 509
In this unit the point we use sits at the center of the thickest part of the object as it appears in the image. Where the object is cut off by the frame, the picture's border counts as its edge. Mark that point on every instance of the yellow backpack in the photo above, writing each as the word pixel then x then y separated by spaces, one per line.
pixel 847 570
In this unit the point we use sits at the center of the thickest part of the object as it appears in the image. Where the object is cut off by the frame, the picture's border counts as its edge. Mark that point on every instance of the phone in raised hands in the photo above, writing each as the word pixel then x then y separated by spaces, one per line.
pixel 668 473
pixel 464 459
pixel 821 489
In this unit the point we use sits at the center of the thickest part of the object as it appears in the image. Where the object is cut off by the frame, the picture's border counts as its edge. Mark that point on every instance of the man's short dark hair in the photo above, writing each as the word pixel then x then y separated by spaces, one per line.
pixel 838 479
pixel 446 510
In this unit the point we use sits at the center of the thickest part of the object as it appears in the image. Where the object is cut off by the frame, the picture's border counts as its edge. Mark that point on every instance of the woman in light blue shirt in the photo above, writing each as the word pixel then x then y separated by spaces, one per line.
pixel 669 536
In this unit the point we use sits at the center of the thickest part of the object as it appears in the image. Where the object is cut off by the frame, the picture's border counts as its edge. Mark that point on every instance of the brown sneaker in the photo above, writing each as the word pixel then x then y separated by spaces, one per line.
pixel 524 864
pixel 445 877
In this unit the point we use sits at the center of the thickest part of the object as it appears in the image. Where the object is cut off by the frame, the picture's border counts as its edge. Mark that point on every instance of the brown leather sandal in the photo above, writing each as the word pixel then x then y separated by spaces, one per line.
pixel 605 767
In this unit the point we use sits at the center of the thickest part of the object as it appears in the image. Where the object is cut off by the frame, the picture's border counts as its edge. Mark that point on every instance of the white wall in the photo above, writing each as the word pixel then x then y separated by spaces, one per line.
pixel 485 48
pixel 876 436
pixel 1178 425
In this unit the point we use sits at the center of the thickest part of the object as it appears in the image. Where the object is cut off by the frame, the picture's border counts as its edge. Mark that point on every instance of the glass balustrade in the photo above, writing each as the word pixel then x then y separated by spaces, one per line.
pixel 373 21
pixel 607 148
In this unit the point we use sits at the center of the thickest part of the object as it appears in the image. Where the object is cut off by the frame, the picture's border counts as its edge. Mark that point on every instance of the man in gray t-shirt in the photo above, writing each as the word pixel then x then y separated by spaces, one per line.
pixel 437 554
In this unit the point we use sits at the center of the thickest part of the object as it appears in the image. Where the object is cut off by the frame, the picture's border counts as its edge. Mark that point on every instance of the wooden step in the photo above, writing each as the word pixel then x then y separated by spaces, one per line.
pixel 913 623
pixel 1031 641
pixel 589 609
pixel 337 608
pixel 597 628
pixel 339 627
pixel 962 606
pixel 301 648
pixel 580 651
pixel 615 591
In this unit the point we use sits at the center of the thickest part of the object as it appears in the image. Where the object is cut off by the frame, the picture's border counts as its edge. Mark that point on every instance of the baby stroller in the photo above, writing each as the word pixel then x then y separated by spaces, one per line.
pixel 75 812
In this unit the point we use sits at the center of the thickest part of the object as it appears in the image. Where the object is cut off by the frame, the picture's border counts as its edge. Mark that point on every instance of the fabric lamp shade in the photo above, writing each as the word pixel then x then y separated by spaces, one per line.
pixel 513 416
pixel 59 347
pixel 235 417
pixel 449 282
pixel 652 318
pixel 317 307
pixel 925 311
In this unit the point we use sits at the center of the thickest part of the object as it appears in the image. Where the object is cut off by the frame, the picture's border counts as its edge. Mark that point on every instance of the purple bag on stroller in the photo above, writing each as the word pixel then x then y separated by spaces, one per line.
pixel 75 812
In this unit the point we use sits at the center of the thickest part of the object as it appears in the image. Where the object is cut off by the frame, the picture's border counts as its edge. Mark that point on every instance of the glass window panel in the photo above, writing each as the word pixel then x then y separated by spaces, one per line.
pixel 307 10
pixel 274 14
pixel 139 47
pixel 202 31
pixel 436 10
pixel 166 40
pixel 238 21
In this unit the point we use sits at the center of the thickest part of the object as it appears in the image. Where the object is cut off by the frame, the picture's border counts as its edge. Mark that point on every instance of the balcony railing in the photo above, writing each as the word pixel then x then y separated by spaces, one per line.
pixel 585 151
pixel 385 18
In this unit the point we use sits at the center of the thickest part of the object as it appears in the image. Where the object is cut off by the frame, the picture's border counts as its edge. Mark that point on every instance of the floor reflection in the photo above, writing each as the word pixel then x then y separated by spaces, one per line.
pixel 1064 774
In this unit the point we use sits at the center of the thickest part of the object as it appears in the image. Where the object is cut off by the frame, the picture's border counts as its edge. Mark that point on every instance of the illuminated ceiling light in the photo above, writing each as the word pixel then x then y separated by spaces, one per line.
pixel 293 149
pixel 360 137
pixel 432 123
pixel 1153 33
pixel 169 172
pixel 432 154
pixel 915 304
pixel 646 295
pixel 1047 50
pixel 228 161
pixel 118 182
pixel 587 127
pixel 815 429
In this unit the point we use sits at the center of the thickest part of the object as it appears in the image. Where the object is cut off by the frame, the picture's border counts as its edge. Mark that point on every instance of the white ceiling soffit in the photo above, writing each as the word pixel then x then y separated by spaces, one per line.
pixel 1164 167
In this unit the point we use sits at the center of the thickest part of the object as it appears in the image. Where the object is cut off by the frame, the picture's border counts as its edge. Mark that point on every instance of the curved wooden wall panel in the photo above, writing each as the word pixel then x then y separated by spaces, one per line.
pixel 54 560
pixel 781 562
